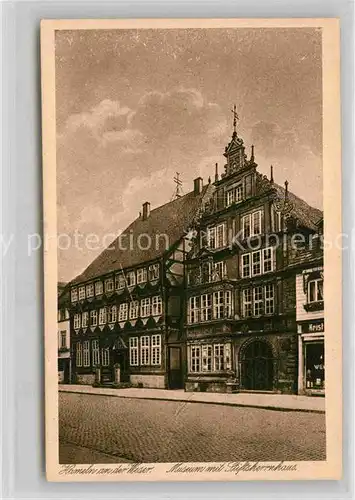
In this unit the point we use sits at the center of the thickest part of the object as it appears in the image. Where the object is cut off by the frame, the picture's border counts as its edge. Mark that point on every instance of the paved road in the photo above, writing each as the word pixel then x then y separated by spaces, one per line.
pixel 166 431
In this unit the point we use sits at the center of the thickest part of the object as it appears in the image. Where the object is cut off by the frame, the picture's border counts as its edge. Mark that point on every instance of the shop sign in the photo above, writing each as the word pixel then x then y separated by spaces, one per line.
pixel 313 327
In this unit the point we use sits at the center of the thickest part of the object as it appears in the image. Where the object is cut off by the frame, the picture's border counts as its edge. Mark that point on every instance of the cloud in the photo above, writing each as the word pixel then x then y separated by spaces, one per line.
pixel 114 157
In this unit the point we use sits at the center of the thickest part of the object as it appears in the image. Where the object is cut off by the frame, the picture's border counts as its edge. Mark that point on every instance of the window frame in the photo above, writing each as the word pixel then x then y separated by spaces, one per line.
pixel 77 321
pixel 112 314
pixel 90 291
pixel 133 309
pixel 142 275
pixel 133 351
pixel 74 294
pixel 93 315
pixel 131 279
pixel 157 303
pixel 195 358
pixel 102 316
pixel 156 350
pixel 99 288
pixel 81 292
pixel 144 345
pixel 218 304
pixel 154 272
pixel 105 356
pixel 85 315
pixel 194 312
pixel 315 281
pixel 63 339
pixel 86 353
pixel 120 282
pixel 218 357
pixel 250 218
pixel 111 288
pixel 79 355
pixel 123 312
pixel 145 307
pixel 95 352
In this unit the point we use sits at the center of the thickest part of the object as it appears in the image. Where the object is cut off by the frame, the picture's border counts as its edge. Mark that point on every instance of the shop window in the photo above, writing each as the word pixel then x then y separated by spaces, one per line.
pixel 314 365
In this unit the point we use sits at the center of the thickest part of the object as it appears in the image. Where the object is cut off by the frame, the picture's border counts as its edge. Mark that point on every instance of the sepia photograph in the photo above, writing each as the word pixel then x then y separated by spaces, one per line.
pixel 192 258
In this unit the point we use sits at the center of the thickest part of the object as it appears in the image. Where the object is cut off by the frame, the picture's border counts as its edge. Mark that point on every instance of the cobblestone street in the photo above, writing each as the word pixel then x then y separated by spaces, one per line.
pixel 166 431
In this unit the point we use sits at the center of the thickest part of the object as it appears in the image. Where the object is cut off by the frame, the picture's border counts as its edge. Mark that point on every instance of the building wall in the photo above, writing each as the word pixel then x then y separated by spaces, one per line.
pixel 301 300
pixel 152 381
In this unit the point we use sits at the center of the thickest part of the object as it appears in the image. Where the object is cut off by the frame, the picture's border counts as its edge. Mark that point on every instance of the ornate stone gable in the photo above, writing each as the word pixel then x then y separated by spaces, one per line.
pixel 235 154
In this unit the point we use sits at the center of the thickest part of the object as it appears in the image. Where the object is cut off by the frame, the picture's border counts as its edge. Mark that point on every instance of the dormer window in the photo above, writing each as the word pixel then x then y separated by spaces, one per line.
pixel 235 194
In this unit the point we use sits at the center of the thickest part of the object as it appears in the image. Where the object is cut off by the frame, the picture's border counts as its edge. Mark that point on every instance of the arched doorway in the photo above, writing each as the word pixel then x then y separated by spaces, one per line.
pixel 257 366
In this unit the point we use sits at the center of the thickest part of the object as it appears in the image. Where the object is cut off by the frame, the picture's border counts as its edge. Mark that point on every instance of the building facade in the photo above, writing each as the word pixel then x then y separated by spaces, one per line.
pixel 212 306
pixel 310 321
pixel 127 306
pixel 63 336
pixel 240 327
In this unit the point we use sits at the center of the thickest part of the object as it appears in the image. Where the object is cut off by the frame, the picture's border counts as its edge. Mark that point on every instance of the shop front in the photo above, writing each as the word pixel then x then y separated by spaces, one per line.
pixel 311 379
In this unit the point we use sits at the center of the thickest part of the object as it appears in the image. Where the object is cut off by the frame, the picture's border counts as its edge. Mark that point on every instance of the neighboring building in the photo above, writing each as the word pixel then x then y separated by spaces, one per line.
pixel 310 319
pixel 127 307
pixel 240 327
pixel 64 359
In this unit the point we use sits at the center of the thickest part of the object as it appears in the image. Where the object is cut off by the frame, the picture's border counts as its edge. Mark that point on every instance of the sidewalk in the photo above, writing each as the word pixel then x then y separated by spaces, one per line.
pixel 281 402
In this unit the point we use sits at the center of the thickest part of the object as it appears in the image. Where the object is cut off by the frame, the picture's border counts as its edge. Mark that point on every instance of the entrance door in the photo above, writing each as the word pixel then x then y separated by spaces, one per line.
pixel 175 373
pixel 257 367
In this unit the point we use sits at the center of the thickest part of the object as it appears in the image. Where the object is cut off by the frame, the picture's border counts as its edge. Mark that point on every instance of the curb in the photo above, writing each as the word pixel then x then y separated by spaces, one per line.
pixel 220 403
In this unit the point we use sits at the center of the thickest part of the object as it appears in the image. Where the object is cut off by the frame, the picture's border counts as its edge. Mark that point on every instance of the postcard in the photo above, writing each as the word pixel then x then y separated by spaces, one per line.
pixel 192 248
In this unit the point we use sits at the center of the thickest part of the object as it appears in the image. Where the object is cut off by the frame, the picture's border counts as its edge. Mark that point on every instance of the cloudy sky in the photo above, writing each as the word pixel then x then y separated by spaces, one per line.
pixel 135 106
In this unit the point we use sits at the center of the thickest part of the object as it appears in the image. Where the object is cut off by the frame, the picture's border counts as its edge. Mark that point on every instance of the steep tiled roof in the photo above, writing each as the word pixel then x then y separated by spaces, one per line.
pixel 171 219
pixel 304 214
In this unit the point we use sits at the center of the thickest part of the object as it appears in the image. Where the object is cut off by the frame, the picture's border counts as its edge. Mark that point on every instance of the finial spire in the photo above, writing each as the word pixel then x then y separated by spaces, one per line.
pixel 216 176
pixel 252 153
pixel 235 118
pixel 286 189
pixel 271 173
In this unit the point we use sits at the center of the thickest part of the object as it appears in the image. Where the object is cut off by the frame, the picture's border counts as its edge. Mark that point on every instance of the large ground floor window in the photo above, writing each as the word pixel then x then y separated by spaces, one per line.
pixel 214 357
pixel 145 350
pixel 314 365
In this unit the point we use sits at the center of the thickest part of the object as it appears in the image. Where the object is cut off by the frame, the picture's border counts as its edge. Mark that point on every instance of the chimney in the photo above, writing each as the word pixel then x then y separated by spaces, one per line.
pixel 271 173
pixel 198 183
pixel 146 210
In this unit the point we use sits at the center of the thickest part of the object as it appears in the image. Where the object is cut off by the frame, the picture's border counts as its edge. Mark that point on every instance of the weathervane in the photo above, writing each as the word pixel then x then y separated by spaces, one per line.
pixel 235 118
